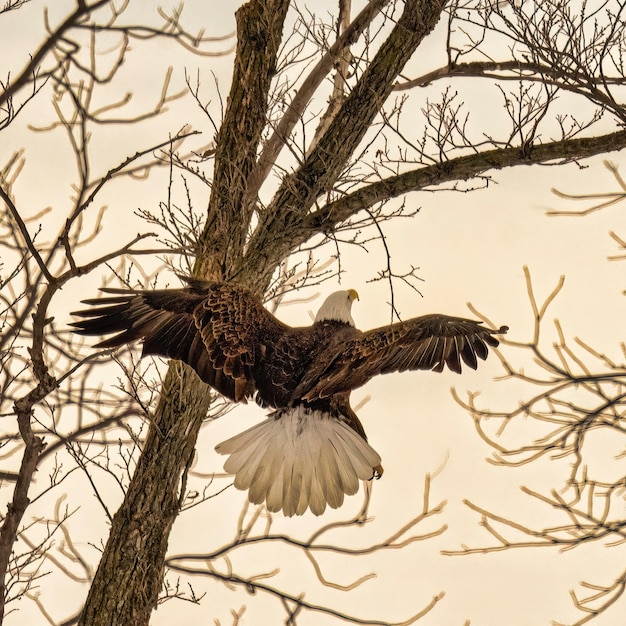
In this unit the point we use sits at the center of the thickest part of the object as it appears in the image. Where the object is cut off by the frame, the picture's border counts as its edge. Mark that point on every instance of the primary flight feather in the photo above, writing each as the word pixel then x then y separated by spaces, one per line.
pixel 312 449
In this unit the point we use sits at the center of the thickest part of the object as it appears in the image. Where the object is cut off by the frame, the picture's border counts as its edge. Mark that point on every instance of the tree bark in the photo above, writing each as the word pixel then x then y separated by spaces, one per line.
pixel 283 221
pixel 130 575
pixel 460 168
pixel 259 32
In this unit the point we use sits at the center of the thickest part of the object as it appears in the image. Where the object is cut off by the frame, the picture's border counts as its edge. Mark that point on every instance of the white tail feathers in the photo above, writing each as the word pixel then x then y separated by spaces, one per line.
pixel 298 459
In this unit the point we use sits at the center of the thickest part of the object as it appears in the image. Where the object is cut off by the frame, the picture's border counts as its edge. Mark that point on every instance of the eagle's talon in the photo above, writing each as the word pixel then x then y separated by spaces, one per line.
pixel 377 472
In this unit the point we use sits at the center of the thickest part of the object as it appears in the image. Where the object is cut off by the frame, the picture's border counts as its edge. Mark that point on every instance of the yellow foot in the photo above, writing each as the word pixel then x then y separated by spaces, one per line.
pixel 377 473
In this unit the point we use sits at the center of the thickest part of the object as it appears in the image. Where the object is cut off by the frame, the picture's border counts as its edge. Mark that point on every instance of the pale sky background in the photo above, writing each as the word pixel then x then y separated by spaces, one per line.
pixel 470 247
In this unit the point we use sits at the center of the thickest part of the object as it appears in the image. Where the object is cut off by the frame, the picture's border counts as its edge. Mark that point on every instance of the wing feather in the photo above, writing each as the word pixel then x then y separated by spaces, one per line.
pixel 214 327
pixel 454 357
pixel 430 342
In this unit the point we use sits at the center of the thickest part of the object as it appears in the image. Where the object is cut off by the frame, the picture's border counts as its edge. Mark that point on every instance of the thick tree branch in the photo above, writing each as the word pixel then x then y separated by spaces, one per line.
pixel 296 108
pixel 259 32
pixel 461 168
pixel 298 191
pixel 33 447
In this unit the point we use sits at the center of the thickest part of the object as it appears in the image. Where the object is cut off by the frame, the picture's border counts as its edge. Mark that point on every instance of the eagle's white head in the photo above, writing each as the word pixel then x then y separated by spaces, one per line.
pixel 337 307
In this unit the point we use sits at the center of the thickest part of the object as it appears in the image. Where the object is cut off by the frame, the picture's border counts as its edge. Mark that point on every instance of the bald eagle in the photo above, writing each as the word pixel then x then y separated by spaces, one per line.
pixel 312 449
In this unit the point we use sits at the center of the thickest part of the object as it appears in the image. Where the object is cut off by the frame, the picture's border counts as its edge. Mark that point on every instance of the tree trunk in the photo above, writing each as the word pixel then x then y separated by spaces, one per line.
pixel 127 584
pixel 129 578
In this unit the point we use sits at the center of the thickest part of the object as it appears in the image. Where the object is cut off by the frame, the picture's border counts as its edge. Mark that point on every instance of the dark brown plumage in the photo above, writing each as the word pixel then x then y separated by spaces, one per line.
pixel 306 373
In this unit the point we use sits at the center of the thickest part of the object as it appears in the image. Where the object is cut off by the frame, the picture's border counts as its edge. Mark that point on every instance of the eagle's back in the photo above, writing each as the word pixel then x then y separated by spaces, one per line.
pixel 290 362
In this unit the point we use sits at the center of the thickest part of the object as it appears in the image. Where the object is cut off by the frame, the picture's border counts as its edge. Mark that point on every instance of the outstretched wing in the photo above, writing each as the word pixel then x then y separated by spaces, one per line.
pixel 430 342
pixel 213 327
